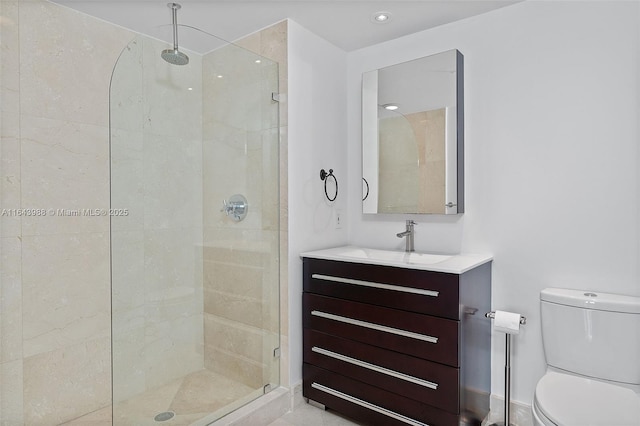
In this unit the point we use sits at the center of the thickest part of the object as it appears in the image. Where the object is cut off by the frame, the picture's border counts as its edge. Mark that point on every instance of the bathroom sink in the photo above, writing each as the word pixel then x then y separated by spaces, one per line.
pixel 451 263
pixel 395 256
pixel 426 258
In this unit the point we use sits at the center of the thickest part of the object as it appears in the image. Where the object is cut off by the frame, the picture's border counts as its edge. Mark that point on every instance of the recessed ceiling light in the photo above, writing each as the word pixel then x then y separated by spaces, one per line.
pixel 219 76
pixel 258 61
pixel 390 107
pixel 381 17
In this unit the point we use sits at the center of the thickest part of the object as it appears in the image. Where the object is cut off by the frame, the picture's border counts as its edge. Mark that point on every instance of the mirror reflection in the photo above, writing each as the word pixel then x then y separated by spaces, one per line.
pixel 413 137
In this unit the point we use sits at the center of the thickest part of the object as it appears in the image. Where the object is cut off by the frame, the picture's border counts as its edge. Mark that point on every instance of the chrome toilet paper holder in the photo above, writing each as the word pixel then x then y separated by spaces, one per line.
pixel 492 314
pixel 507 370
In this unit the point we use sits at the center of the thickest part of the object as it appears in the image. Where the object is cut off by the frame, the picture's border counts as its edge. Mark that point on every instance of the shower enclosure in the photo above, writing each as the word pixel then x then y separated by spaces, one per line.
pixel 195 312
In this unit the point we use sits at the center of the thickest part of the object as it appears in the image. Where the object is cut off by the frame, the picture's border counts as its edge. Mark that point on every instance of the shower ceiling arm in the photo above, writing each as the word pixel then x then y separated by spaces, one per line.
pixel 173 56
pixel 174 19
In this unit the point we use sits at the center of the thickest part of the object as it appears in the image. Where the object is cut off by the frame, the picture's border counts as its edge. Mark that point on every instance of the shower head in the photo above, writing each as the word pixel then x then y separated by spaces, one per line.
pixel 174 56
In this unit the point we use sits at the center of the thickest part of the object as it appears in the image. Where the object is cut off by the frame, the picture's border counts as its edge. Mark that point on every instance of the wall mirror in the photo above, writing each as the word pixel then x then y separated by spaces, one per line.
pixel 413 137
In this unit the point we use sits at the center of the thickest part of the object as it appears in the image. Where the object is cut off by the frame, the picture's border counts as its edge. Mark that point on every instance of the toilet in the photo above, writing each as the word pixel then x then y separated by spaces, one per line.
pixel 592 348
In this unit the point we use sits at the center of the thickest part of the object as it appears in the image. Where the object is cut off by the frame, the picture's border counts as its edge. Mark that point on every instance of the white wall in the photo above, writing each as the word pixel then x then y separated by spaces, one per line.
pixel 317 129
pixel 551 123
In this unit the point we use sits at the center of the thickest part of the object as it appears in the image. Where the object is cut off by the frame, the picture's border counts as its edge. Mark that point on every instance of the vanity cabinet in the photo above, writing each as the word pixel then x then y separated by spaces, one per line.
pixel 389 345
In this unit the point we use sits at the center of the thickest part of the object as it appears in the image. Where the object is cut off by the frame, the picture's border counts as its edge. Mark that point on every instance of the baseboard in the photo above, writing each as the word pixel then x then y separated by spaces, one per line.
pixel 521 414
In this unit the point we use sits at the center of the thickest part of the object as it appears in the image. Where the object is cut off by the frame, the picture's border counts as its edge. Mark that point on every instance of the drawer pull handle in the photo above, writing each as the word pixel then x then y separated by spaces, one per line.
pixel 368 405
pixel 377 368
pixel 412 290
pixel 374 326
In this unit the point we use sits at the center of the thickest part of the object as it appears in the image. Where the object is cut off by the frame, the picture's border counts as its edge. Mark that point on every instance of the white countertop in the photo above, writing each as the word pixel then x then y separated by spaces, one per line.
pixel 454 263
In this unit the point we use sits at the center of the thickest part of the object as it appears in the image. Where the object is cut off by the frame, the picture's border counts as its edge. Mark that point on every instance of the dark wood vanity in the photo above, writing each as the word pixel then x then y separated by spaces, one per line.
pixel 389 345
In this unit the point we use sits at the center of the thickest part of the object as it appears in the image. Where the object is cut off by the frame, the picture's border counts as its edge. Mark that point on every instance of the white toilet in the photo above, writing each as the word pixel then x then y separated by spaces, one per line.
pixel 592 347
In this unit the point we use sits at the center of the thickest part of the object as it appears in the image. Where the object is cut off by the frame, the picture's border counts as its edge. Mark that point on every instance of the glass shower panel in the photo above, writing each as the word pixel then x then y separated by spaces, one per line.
pixel 195 314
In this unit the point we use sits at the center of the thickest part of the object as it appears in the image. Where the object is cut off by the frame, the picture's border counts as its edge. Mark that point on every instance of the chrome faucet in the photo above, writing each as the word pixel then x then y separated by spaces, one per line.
pixel 409 234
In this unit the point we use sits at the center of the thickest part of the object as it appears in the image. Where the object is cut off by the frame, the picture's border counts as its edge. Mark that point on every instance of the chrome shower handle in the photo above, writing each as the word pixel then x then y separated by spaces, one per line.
pixel 236 207
pixel 226 208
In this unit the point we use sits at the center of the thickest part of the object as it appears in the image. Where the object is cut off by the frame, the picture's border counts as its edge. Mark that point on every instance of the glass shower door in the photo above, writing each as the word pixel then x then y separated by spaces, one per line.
pixel 195 314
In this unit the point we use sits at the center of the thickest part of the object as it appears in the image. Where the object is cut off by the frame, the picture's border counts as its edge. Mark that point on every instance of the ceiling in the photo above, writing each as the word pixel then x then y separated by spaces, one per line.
pixel 345 23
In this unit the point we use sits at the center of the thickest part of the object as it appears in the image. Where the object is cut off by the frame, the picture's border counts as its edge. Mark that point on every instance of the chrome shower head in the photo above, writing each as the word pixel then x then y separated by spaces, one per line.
pixel 173 56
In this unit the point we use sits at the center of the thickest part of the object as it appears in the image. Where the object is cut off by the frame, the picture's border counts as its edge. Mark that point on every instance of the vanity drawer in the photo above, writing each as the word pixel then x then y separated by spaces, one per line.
pixel 371 404
pixel 424 381
pixel 423 336
pixel 433 293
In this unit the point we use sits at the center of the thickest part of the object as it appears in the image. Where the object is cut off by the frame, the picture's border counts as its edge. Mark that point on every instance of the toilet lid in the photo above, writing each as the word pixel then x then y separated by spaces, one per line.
pixel 577 401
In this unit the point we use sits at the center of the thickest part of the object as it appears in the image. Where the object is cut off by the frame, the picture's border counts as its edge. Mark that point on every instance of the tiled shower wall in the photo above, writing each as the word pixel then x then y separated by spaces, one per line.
pixel 156 173
pixel 404 138
pixel 55 324
pixel 54 288
pixel 272 43
pixel 241 140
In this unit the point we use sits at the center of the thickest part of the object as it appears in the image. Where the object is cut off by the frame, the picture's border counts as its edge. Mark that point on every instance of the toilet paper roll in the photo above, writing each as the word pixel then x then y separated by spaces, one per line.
pixel 507 322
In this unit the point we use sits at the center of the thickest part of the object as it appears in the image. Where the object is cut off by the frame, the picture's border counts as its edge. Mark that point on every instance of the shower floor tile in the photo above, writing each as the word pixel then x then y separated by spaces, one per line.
pixel 191 398
pixel 202 390
pixel 97 418
pixel 206 392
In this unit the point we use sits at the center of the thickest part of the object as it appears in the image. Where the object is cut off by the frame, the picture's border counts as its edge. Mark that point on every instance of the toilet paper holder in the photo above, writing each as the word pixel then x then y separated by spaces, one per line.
pixel 492 314
pixel 507 371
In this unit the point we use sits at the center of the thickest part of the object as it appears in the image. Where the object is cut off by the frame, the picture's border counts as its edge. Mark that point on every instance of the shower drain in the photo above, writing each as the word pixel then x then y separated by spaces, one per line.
pixel 163 417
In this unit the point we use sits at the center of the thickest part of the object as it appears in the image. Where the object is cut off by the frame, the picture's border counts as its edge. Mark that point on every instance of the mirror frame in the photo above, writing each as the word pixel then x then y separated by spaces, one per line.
pixel 369 110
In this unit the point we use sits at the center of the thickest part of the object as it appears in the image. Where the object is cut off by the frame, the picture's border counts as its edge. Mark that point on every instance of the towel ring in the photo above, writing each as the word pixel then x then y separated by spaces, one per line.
pixel 367 194
pixel 325 177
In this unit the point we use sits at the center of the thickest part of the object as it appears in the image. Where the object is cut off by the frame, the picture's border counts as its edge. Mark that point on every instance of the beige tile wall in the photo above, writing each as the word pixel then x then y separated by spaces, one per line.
pixel 56 66
pixel 272 43
pixel 235 313
pixel 156 174
pixel 241 258
pixel 54 281
pixel 11 359
pixel 412 163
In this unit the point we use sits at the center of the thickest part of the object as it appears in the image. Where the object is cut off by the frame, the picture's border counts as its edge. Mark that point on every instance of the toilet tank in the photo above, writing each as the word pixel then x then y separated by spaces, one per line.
pixel 591 333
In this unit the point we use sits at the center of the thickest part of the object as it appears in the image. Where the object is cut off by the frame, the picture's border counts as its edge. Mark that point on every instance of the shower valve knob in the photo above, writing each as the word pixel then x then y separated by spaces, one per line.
pixel 236 207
